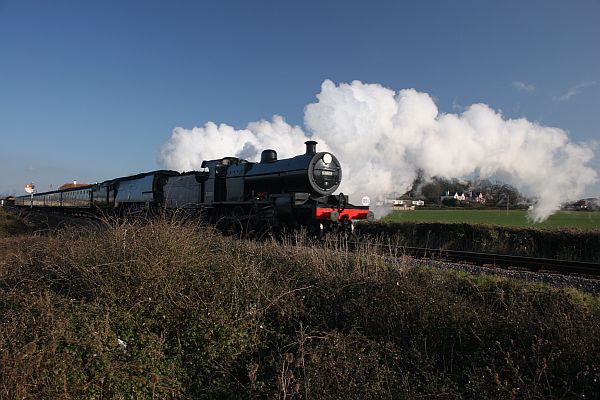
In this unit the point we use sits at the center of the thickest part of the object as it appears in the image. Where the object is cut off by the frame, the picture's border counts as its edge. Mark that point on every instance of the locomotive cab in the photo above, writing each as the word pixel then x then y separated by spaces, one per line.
pixel 225 179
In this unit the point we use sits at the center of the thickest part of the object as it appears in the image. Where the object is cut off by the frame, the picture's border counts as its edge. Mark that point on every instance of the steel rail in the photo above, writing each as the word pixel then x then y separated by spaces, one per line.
pixel 499 260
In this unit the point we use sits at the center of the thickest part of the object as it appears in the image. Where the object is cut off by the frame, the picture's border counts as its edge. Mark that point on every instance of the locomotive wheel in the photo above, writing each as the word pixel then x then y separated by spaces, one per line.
pixel 347 231
pixel 230 226
pixel 236 228
pixel 238 218
pixel 222 224
pixel 261 221
pixel 316 230
pixel 239 213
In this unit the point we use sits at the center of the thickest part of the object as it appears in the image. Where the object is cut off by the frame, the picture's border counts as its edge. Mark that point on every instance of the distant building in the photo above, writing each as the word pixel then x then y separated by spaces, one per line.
pixel 460 197
pixel 72 185
pixel 477 198
pixel 583 204
pixel 446 197
pixel 591 203
pixel 407 202
pixel 480 198
pixel 470 197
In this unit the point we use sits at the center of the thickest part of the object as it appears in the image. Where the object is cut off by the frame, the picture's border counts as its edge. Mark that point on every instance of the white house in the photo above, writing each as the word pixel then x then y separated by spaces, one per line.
pixel 460 197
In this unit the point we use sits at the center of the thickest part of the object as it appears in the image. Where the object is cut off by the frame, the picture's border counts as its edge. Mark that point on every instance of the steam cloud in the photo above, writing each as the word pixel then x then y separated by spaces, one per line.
pixel 382 137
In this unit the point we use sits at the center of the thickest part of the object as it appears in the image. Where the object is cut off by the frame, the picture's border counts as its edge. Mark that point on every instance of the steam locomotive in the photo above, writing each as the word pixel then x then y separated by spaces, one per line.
pixel 235 194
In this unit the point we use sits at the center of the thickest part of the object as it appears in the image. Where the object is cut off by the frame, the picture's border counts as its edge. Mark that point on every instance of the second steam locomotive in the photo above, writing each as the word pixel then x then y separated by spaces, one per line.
pixel 233 193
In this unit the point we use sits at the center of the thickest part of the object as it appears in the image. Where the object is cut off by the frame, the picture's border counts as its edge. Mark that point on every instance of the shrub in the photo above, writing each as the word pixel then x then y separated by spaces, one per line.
pixel 169 309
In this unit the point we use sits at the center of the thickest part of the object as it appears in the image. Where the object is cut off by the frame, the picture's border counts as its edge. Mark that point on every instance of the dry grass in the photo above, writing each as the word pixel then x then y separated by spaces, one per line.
pixel 165 308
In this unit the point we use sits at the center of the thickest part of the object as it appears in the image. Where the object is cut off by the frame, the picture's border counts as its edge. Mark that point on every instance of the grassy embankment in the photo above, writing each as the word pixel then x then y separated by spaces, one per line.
pixel 514 218
pixel 170 310
pixel 565 235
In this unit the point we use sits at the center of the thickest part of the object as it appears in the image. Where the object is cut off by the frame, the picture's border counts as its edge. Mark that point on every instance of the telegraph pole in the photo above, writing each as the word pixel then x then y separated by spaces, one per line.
pixel 30 188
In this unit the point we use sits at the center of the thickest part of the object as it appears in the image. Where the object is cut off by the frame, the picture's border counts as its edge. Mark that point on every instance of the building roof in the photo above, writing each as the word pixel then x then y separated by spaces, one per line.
pixel 72 185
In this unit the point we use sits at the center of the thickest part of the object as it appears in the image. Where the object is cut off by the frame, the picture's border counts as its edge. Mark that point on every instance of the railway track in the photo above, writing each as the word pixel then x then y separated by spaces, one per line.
pixel 588 269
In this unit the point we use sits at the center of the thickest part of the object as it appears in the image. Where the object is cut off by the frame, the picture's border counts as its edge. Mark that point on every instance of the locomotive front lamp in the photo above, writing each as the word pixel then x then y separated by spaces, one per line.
pixel 334 216
pixel 327 158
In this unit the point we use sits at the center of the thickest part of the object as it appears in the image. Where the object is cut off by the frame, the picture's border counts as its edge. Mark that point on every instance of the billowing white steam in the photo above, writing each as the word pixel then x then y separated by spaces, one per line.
pixel 382 137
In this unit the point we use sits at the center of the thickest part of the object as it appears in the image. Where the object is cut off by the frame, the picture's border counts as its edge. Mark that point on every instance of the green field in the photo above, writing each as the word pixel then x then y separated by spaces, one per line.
pixel 517 218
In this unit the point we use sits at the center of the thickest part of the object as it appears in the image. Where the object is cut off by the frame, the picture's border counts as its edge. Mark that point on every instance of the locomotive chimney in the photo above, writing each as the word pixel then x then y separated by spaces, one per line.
pixel 311 147
pixel 268 156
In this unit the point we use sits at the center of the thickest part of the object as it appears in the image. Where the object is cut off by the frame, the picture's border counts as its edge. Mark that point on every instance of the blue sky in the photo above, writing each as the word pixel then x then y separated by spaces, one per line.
pixel 90 90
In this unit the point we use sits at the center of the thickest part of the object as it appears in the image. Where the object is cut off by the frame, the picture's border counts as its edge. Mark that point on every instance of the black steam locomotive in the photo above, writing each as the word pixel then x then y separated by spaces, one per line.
pixel 233 193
